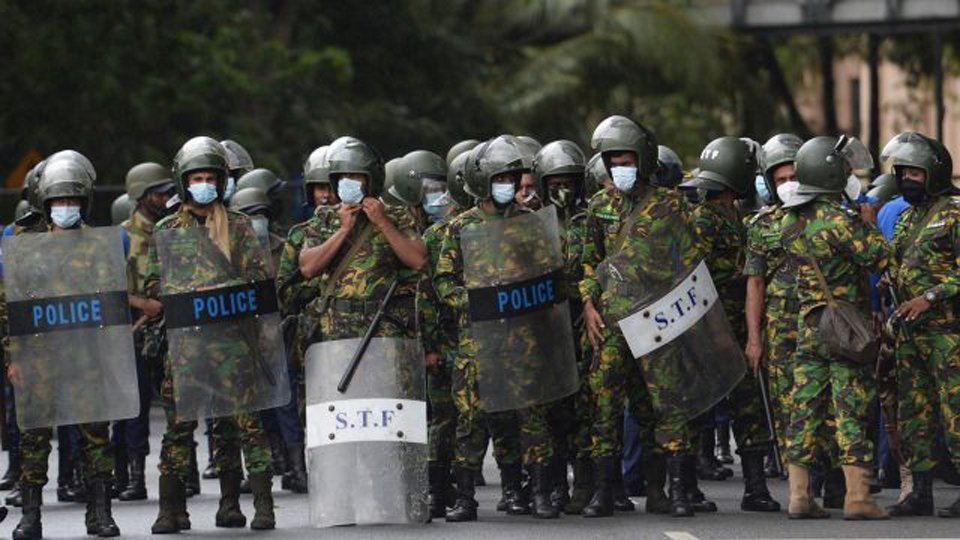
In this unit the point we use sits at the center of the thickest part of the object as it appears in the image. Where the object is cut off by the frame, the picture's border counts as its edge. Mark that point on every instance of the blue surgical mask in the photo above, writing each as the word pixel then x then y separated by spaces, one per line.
pixel 350 190
pixel 762 191
pixel 624 178
pixel 203 193
pixel 65 216
pixel 502 193
pixel 434 205
pixel 230 188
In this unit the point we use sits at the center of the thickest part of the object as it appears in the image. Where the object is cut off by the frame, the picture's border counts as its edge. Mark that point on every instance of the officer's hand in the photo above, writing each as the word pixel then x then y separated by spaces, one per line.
pixel 911 309
pixel 152 308
pixel 432 361
pixel 13 375
pixel 594 324
pixel 375 212
pixel 868 214
pixel 754 353
pixel 348 215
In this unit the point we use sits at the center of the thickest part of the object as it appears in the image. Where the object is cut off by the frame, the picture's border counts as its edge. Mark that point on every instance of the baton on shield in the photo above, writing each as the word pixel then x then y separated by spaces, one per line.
pixel 768 412
pixel 367 336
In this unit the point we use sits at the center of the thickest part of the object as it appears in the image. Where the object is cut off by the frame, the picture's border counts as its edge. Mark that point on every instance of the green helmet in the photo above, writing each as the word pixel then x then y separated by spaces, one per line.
pixel 316 171
pixel 144 177
pixel 199 154
pixel 559 157
pixel 415 167
pixel 821 168
pixel 120 209
pixel 23 208
pixel 239 161
pixel 530 147
pixel 392 169
pixel 79 158
pixel 726 163
pixel 620 134
pixel 503 154
pixel 351 155
pixel 460 148
pixel 32 183
pixel 250 200
pixel 596 175
pixel 455 181
pixel 65 178
pixel 778 150
pixel 883 188
pixel 263 179
pixel 669 170
pixel 922 152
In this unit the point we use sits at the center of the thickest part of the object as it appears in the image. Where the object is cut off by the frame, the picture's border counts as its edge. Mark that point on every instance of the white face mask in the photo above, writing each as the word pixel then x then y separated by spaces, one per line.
pixel 502 193
pixel 229 189
pixel 203 193
pixel 852 190
pixel 787 191
pixel 433 205
pixel 65 216
pixel 624 178
pixel 350 190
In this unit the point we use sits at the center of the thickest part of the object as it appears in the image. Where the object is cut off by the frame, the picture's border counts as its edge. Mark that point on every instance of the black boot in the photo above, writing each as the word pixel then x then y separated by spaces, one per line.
pixel 515 501
pixel 723 443
pixel 78 488
pixel 655 474
pixel 770 466
pixel 952 511
pixel 263 517
pixel 621 503
pixel 106 526
pixel 834 488
pixel 542 482
pixel 708 466
pixel 173 507
pixel 121 472
pixel 193 476
pixel 560 492
pixel 297 476
pixel 229 514
pixel 601 505
pixel 756 496
pixel 15 497
pixel 694 495
pixel 64 476
pixel 12 475
pixel 679 503
pixel 210 473
pixel 136 489
pixel 30 526
pixel 583 486
pixel 920 501
pixel 465 508
pixel 437 475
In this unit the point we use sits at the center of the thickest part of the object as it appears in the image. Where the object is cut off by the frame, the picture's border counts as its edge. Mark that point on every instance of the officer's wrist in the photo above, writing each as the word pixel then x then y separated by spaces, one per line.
pixel 931 295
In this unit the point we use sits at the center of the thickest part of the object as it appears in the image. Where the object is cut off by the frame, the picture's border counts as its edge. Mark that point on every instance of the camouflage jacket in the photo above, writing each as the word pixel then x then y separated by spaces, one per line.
pixel 931 261
pixel 139 229
pixel 766 257
pixel 636 247
pixel 843 246
pixel 721 238
pixel 295 292
pixel 439 322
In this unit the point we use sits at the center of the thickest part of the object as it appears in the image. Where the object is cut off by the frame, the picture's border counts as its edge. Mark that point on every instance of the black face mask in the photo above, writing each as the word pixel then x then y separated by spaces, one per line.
pixel 913 192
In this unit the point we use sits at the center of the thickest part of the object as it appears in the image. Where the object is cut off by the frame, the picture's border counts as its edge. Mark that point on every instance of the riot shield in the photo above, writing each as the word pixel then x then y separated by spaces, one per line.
pixel 226 353
pixel 519 312
pixel 367 447
pixel 71 344
pixel 674 323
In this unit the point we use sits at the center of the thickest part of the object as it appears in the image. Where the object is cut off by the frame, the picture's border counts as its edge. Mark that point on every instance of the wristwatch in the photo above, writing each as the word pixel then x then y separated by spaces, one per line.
pixel 930 296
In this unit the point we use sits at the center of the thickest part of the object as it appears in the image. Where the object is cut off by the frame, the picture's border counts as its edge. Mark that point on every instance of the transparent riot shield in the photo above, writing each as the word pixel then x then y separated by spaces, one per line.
pixel 226 353
pixel 674 324
pixel 367 447
pixel 71 344
pixel 519 313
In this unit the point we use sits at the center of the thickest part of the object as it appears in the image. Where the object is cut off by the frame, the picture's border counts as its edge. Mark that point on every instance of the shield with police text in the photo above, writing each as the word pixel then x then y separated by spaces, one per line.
pixel 226 353
pixel 71 345
pixel 367 447
pixel 519 313
pixel 674 323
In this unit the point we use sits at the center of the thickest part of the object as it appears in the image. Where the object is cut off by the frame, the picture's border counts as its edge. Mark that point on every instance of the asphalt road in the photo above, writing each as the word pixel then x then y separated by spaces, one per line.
pixel 65 520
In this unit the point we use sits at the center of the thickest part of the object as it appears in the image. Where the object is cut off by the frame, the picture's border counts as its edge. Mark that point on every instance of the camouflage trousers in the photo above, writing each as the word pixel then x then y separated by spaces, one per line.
pixel 442 420
pixel 613 378
pixel 583 406
pixel 229 435
pixel 95 451
pixel 780 343
pixel 823 385
pixel 745 401
pixel 928 369
pixel 473 423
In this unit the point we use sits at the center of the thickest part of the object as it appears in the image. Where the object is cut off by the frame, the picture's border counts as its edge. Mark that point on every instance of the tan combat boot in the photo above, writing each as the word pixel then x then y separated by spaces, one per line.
pixel 859 503
pixel 802 505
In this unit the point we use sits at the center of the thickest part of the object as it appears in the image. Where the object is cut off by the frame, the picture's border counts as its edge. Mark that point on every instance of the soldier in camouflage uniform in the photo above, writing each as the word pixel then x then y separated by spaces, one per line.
pixel 149 186
pixel 64 191
pixel 726 175
pixel 200 173
pixel 817 231
pixel 239 163
pixel 493 172
pixel 268 182
pixel 927 255
pixel 632 219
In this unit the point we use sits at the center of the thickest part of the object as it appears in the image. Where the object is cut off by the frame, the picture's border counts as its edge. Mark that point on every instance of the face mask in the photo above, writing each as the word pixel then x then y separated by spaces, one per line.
pixel 433 205
pixel 230 189
pixel 502 193
pixel 913 192
pixel 65 216
pixel 261 226
pixel 852 190
pixel 562 197
pixel 762 191
pixel 203 193
pixel 787 191
pixel 624 178
pixel 350 190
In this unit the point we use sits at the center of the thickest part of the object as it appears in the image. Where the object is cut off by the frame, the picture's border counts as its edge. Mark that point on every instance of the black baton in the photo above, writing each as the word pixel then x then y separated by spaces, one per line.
pixel 362 348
